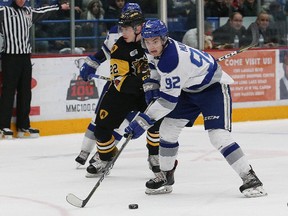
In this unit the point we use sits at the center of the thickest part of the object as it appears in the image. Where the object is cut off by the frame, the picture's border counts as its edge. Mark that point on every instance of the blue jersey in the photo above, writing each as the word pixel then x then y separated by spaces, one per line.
pixel 182 68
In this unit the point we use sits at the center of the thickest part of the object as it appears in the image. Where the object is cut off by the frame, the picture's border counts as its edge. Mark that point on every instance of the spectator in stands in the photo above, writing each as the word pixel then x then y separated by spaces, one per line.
pixel 216 8
pixel 43 30
pixel 278 22
pixel 236 6
pixel 113 11
pixel 261 29
pixel 191 37
pixel 86 2
pixel 78 9
pixel 94 11
pixel 249 8
pixel 284 80
pixel 224 36
pixel 277 12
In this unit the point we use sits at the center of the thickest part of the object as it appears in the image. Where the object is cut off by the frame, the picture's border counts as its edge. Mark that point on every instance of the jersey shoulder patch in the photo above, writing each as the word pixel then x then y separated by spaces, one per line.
pixel 169 59
pixel 114 48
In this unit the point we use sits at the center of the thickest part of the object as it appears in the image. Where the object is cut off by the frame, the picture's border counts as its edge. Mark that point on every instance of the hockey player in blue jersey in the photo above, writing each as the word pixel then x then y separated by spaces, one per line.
pixel 185 82
pixel 88 144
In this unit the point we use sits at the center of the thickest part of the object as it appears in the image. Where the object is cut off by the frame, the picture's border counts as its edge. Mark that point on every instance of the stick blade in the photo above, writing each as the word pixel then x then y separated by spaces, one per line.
pixel 74 200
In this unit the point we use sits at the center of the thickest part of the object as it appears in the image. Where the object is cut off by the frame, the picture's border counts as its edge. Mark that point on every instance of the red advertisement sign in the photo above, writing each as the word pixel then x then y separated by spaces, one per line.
pixel 253 73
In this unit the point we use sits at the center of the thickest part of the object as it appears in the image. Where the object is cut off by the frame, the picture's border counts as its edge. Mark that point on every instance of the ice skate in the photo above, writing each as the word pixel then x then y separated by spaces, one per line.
pixel 153 161
pixel 6 133
pixel 252 186
pixel 96 169
pixel 82 158
pixel 94 158
pixel 162 183
pixel 28 133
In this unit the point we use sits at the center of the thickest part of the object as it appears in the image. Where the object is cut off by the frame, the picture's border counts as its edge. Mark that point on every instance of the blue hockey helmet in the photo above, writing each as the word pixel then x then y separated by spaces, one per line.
pixel 154 28
pixel 131 6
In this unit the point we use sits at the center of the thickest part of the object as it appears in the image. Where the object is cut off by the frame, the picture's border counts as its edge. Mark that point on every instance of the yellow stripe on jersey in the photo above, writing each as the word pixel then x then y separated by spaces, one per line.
pixel 106 151
pixel 153 139
pixel 107 146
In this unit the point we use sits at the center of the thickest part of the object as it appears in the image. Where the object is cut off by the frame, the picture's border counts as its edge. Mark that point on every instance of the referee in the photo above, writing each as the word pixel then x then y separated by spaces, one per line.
pixel 16 21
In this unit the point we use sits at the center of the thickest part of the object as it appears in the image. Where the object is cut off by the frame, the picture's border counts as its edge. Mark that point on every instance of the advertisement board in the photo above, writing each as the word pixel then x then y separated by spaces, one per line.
pixel 254 75
pixel 60 93
pixel 60 98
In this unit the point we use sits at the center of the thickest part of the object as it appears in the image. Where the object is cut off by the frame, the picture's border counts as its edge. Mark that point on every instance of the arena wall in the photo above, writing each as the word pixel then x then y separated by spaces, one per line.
pixel 62 103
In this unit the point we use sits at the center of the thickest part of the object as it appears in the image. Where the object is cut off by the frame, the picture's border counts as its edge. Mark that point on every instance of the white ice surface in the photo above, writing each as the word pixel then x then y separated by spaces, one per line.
pixel 37 174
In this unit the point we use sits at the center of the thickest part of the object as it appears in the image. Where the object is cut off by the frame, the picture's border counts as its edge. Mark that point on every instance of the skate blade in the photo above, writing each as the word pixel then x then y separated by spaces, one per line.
pixel 91 175
pixel 254 192
pixel 79 166
pixel 27 135
pixel 162 190
pixel 79 163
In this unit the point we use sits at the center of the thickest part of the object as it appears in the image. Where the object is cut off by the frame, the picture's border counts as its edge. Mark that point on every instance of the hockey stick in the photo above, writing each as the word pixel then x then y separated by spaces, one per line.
pixel 75 201
pixel 234 53
pixel 99 77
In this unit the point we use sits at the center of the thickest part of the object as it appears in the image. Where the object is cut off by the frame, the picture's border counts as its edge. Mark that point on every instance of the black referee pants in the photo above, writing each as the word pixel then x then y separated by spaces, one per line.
pixel 17 75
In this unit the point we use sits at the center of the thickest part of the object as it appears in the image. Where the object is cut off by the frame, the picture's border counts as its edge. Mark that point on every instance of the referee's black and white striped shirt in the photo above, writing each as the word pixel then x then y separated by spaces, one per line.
pixel 16 23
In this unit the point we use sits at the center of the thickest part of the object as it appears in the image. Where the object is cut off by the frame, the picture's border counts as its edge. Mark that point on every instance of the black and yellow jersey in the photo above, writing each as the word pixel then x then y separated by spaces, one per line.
pixel 128 66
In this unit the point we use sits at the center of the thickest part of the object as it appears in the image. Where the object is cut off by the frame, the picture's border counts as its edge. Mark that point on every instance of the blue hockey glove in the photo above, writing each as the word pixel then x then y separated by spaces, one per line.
pixel 139 125
pixel 151 89
pixel 89 68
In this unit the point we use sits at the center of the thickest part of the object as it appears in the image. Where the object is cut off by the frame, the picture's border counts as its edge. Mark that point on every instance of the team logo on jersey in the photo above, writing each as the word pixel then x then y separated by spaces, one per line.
pixel 134 52
pixel 103 114
pixel 114 48
pixel 141 66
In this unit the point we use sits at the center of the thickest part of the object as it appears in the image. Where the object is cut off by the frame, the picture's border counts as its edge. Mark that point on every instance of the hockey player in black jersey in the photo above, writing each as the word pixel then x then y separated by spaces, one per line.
pixel 128 67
